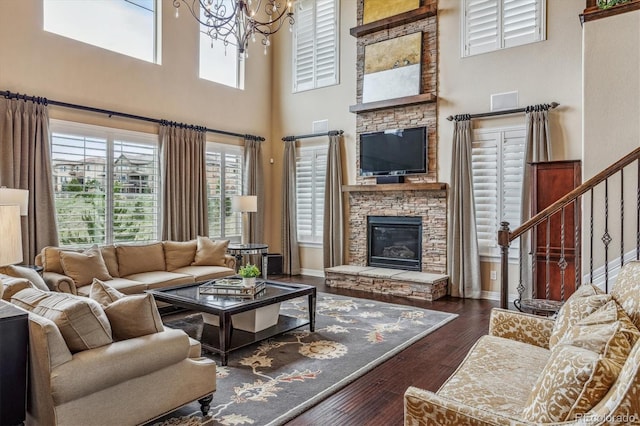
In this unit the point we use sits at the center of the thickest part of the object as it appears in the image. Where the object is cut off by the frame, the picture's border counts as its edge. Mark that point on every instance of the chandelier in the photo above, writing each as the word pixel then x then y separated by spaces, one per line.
pixel 236 21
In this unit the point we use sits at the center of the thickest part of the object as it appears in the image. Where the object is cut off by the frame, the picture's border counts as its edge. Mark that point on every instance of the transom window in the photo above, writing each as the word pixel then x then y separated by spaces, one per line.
pixel 497 167
pixel 105 184
pixel 311 169
pixel 489 25
pixel 224 180
pixel 128 27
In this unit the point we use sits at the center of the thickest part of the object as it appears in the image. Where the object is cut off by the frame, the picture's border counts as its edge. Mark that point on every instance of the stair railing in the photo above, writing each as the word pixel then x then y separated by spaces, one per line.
pixel 599 206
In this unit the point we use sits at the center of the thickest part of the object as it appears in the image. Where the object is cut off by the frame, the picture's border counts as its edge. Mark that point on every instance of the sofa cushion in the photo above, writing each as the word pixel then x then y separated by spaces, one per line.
pixel 585 301
pixel 11 285
pixel 26 273
pixel 203 273
pixel 51 259
pixel 159 279
pixel 83 267
pixel 179 253
pixel 497 375
pixel 143 258
pixel 626 290
pixel 82 322
pixel 611 313
pixel 123 285
pixel 573 381
pixel 111 260
pixel 210 253
pixel 130 316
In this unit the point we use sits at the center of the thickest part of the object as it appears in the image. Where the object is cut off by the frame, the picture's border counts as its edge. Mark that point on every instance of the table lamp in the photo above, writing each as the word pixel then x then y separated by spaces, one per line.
pixel 15 196
pixel 245 204
pixel 11 235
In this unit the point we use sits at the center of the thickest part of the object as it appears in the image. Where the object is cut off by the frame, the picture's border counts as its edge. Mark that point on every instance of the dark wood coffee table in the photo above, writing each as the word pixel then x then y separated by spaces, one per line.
pixel 224 338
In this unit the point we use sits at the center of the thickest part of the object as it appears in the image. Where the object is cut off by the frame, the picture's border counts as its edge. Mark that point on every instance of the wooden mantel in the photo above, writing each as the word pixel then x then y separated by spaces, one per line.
pixel 435 186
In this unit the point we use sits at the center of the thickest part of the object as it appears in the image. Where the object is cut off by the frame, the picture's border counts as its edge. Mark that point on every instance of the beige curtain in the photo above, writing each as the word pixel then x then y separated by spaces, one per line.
pixel 463 255
pixel 537 149
pixel 25 163
pixel 253 184
pixel 184 184
pixel 333 227
pixel 290 250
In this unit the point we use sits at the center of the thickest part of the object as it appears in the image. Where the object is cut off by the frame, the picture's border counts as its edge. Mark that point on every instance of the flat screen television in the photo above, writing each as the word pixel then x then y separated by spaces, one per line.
pixel 394 152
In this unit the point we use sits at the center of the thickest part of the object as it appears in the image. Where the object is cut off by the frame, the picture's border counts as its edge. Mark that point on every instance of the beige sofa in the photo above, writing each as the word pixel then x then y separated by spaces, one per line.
pixel 81 373
pixel 132 269
pixel 583 368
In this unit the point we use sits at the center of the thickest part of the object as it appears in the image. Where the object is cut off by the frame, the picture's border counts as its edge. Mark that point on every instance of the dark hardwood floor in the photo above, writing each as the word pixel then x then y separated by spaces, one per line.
pixel 377 397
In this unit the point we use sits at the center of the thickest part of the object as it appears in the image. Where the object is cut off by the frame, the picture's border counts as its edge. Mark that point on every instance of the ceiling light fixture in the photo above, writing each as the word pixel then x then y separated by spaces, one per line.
pixel 227 20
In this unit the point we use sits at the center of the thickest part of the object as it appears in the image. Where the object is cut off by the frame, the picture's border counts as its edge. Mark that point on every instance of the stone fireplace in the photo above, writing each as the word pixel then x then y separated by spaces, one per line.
pixel 394 242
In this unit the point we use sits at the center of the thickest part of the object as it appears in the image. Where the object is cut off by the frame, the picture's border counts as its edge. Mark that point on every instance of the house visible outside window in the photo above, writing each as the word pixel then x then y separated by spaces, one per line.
pixel 219 63
pixel 224 180
pixel 489 25
pixel 129 27
pixel 311 169
pixel 497 168
pixel 105 184
pixel 315 44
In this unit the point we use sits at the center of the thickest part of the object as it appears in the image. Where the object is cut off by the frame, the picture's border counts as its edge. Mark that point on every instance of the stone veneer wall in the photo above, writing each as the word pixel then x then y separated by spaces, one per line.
pixel 430 205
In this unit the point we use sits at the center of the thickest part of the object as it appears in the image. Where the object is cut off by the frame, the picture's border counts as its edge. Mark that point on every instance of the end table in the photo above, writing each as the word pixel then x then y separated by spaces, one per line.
pixel 240 250
pixel 14 341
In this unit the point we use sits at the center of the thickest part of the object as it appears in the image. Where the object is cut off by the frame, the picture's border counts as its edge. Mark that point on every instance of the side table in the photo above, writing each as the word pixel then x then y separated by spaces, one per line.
pixel 14 341
pixel 240 250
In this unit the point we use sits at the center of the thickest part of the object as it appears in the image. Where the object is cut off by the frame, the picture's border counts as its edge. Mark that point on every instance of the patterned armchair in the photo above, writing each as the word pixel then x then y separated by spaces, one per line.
pixel 583 368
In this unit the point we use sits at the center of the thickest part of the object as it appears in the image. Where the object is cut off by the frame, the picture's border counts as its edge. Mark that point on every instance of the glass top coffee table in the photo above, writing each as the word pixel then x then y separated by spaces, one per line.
pixel 218 334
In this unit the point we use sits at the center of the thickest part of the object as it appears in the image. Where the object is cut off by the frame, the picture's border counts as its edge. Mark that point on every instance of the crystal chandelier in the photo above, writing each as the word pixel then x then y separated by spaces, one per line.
pixel 226 20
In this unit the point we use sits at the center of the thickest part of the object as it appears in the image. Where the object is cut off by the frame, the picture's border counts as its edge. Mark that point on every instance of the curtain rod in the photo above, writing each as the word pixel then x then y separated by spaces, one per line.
pixel 312 135
pixel 552 105
pixel 9 95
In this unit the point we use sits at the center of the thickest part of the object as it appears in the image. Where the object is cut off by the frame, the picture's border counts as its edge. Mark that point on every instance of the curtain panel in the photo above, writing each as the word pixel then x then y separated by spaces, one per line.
pixel 463 253
pixel 333 225
pixel 253 184
pixel 184 183
pixel 25 163
pixel 290 249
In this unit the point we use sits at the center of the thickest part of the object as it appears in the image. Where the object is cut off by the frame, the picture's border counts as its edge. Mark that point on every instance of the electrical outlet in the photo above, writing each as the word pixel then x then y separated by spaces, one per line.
pixel 494 275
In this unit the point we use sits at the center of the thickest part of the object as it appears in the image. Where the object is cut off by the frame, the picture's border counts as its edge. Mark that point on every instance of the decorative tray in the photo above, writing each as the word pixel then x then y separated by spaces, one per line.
pixel 231 287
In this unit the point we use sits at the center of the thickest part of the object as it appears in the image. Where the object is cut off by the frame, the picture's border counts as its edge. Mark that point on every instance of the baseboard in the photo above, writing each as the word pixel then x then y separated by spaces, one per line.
pixel 495 295
pixel 312 272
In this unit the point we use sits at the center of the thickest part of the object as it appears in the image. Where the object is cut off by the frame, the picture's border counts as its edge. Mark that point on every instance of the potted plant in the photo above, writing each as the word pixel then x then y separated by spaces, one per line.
pixel 249 273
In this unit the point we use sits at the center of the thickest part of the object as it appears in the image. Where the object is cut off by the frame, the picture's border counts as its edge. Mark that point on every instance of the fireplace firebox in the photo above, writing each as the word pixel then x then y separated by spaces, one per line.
pixel 395 242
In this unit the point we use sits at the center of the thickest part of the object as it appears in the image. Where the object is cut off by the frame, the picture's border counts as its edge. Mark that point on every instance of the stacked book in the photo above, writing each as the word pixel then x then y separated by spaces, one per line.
pixel 231 287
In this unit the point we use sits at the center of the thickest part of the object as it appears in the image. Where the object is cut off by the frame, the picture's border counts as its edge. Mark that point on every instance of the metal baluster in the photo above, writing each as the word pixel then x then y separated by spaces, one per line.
pixel 591 239
pixel 577 260
pixel 606 238
pixel 562 263
pixel 621 218
pixel 638 214
pixel 547 289
pixel 533 254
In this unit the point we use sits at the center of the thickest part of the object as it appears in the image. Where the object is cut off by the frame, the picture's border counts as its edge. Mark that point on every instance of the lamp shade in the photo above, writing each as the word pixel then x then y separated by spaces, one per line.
pixel 10 235
pixel 15 196
pixel 244 203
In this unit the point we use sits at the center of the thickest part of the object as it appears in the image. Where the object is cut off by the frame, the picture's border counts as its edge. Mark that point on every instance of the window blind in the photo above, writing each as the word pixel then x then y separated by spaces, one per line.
pixel 224 180
pixel 311 169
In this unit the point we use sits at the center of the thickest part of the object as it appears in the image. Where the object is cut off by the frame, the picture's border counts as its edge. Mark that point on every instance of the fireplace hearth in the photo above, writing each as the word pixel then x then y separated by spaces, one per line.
pixel 394 242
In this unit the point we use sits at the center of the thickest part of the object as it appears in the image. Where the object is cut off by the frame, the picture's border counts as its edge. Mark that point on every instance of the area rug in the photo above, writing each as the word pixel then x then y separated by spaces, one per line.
pixel 271 382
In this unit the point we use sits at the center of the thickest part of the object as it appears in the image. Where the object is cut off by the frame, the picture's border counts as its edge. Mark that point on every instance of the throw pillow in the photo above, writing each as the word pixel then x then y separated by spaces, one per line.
pixel 626 290
pixel 11 285
pixel 26 273
pixel 111 260
pixel 210 253
pixel 51 259
pixel 130 316
pixel 136 259
pixel 178 254
pixel 572 382
pixel 586 300
pixel 103 293
pixel 83 267
pixel 81 321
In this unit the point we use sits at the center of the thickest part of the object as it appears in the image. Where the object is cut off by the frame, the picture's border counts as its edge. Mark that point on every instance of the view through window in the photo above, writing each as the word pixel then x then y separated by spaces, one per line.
pixel 224 180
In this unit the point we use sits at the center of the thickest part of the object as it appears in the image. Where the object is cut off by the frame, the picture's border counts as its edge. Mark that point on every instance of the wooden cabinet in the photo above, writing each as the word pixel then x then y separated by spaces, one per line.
pixel 556 260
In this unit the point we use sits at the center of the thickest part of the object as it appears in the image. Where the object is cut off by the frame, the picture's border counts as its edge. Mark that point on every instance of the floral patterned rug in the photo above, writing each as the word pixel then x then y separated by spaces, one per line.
pixel 273 381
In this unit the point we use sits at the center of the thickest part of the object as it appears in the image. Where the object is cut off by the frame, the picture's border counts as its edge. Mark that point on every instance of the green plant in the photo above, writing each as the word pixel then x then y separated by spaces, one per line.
pixel 249 271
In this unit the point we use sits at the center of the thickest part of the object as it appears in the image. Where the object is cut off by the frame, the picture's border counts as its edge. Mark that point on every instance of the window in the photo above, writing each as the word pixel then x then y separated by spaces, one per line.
pixel 224 180
pixel 124 26
pixel 219 63
pixel 311 168
pixel 315 44
pixel 497 168
pixel 105 184
pixel 489 25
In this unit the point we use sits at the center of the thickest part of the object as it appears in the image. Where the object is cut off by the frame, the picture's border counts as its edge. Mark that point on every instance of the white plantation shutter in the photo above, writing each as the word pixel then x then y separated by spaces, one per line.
pixel 311 169
pixel 224 180
pixel 497 168
pixel 315 44
pixel 489 25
